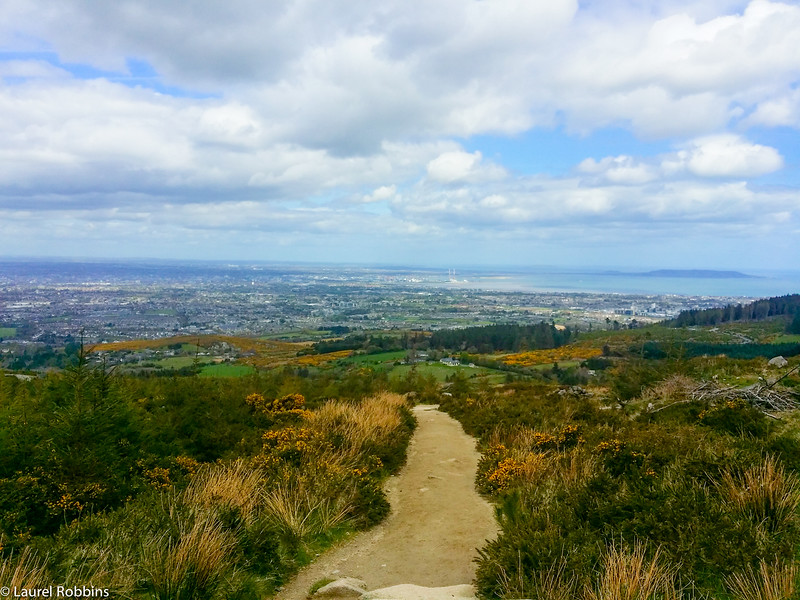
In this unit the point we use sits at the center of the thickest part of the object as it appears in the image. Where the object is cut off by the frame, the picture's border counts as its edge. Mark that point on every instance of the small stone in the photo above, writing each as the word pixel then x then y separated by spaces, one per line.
pixel 778 361
pixel 346 587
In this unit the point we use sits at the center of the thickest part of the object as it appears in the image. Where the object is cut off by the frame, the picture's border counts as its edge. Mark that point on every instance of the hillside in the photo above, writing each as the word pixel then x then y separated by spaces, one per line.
pixel 626 447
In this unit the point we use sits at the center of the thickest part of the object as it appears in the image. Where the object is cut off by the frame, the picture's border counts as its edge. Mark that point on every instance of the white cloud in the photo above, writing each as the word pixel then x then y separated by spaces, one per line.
pixel 677 75
pixel 781 110
pixel 348 75
pixel 619 169
pixel 455 166
pixel 384 192
pixel 721 155
pixel 731 156
pixel 30 69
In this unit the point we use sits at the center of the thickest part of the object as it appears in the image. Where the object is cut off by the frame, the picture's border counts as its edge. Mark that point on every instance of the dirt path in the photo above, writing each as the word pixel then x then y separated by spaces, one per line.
pixel 437 521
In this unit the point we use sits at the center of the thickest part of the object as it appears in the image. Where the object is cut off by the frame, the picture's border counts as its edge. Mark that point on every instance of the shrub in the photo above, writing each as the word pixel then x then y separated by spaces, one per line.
pixel 736 417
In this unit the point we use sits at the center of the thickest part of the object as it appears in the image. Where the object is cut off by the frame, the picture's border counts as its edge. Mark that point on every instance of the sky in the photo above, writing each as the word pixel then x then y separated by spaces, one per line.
pixel 625 133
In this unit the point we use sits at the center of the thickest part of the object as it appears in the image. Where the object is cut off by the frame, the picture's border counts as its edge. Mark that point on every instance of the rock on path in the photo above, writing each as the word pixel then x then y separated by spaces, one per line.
pixel 437 521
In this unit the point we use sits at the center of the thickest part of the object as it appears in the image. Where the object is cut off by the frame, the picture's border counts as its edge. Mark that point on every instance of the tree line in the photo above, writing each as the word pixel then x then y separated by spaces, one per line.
pixel 499 337
pixel 759 310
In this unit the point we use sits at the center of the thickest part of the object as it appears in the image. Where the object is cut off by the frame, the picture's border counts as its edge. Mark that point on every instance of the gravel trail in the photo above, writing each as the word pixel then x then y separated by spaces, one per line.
pixel 437 522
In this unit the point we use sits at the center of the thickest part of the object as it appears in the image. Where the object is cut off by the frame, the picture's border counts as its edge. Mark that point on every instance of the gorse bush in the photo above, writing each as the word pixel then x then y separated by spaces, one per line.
pixel 736 417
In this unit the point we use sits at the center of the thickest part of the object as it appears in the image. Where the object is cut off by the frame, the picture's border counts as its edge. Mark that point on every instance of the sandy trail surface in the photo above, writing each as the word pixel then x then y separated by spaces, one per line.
pixel 437 521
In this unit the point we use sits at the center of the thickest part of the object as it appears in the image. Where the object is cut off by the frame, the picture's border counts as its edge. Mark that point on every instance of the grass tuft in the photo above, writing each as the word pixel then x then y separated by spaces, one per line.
pixel 361 425
pixel 766 492
pixel 23 572
pixel 630 575
pixel 552 584
pixel 190 567
pixel 232 485
pixel 298 512
pixel 776 582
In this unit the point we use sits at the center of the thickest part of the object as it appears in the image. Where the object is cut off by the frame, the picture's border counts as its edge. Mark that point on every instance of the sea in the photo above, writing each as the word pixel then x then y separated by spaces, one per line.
pixel 757 284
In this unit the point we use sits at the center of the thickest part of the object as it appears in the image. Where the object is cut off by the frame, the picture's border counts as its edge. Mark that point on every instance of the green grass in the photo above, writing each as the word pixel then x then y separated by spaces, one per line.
pixel 8 332
pixel 441 372
pixel 321 583
pixel 381 357
pixel 179 362
pixel 190 348
pixel 786 338
pixel 226 370
pixel 562 364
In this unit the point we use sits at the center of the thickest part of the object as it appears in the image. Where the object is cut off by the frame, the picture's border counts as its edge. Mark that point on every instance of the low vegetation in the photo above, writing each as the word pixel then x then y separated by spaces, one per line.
pixel 625 464
pixel 187 487
pixel 636 486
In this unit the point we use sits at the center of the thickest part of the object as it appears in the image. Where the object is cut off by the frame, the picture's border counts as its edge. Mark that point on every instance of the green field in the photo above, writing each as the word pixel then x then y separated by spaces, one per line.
pixel 8 332
pixel 562 364
pixel 179 362
pixel 226 370
pixel 298 335
pixel 442 372
pixel 786 338
pixel 190 348
pixel 382 357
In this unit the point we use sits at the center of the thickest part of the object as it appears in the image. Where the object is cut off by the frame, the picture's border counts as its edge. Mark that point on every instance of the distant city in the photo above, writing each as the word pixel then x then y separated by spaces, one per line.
pixel 50 301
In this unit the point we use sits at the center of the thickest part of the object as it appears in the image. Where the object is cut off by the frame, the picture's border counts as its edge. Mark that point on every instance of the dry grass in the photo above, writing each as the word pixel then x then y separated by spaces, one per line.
pixel 371 421
pixel 233 485
pixel 552 584
pixel 576 466
pixel 765 491
pixel 776 582
pixel 190 566
pixel 674 388
pixel 297 511
pixel 322 494
pixel 102 565
pixel 24 571
pixel 630 575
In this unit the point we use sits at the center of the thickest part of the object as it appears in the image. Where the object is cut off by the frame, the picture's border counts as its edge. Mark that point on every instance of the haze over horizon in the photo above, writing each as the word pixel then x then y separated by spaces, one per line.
pixel 462 132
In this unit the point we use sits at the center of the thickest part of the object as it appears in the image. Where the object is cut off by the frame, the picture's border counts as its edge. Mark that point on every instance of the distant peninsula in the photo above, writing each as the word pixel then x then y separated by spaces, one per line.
pixel 689 273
